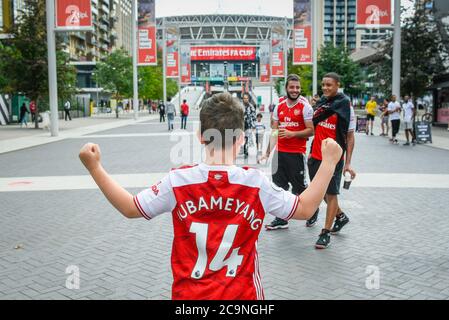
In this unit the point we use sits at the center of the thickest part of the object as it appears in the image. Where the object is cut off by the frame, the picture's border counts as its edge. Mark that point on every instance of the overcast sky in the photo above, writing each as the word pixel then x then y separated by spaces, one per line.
pixel 277 8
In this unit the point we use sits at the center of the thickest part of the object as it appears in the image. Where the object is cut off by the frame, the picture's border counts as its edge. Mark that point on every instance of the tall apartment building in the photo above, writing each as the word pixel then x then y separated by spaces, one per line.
pixel 337 25
pixel 9 12
pixel 124 25
pixel 111 30
pixel 91 46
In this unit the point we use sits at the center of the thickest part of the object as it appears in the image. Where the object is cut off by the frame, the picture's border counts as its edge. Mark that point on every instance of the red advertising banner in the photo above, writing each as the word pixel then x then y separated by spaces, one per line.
pixel 277 52
pixel 146 33
pixel 186 74
pixel 211 53
pixel 172 62
pixel 172 65
pixel 302 44
pixel 264 58
pixel 73 15
pixel 147 46
pixel 264 73
pixel 373 13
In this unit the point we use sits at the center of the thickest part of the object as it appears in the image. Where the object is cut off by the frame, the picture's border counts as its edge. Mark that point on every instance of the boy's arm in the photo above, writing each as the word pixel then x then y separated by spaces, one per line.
pixel 121 199
pixel 311 198
pixel 273 140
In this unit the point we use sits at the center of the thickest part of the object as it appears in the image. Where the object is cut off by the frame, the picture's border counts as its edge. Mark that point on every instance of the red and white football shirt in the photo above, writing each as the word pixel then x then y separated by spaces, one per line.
pixel 293 118
pixel 217 214
pixel 328 129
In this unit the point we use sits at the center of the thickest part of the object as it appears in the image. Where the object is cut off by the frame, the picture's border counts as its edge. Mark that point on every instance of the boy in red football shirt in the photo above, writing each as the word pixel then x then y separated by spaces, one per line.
pixel 217 208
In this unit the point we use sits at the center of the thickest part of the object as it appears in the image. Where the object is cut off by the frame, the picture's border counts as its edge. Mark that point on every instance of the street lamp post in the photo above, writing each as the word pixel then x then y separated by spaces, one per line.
pixel 164 52
pixel 396 85
pixel 315 17
pixel 134 45
pixel 52 78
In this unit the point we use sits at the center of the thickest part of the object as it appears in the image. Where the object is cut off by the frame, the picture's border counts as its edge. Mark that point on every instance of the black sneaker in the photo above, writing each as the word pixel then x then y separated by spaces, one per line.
pixel 311 222
pixel 277 223
pixel 339 223
pixel 323 240
pixel 406 144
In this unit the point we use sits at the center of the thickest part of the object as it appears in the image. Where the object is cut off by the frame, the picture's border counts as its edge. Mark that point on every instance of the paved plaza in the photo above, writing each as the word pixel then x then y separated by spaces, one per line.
pixel 53 221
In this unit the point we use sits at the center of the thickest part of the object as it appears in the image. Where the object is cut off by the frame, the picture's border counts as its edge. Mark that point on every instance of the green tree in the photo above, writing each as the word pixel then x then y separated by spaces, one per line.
pixel 24 58
pixel 115 73
pixel 150 82
pixel 337 59
pixel 421 52
pixel 330 59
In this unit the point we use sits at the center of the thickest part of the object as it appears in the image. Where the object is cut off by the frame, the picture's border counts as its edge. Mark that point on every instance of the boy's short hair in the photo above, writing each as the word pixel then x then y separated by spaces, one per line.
pixel 168 99
pixel 292 77
pixel 333 75
pixel 221 114
pixel 259 115
pixel 184 100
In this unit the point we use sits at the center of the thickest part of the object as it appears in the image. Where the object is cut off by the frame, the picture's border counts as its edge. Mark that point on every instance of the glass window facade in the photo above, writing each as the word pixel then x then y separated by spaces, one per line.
pixel 342 12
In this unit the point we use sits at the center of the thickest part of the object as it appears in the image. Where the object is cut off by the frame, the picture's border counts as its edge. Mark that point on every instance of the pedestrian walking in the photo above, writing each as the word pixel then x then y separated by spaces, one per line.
pixel 394 113
pixel 292 125
pixel 171 113
pixel 250 122
pixel 161 108
pixel 334 118
pixel 370 108
pixel 67 106
pixel 217 208
pixel 33 110
pixel 184 114
pixel 384 118
pixel 409 115
pixel 260 131
pixel 23 115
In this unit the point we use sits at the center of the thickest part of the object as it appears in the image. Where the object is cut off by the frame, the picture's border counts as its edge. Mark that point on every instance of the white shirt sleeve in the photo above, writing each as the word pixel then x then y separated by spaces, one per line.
pixel 275 113
pixel 277 201
pixel 156 200
pixel 352 122
pixel 307 112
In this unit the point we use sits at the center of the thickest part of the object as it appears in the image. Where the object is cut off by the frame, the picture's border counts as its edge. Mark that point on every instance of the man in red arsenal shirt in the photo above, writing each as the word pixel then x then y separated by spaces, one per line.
pixel 184 114
pixel 292 120
pixel 333 118
pixel 216 207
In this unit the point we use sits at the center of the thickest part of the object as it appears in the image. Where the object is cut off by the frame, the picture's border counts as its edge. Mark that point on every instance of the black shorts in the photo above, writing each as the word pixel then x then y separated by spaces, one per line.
pixel 369 117
pixel 334 184
pixel 289 168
